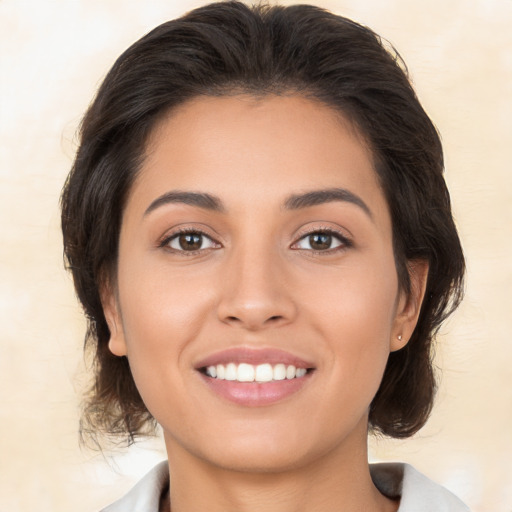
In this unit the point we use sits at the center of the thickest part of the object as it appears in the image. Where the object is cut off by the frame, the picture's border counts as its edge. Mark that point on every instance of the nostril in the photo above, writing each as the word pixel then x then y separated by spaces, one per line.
pixel 253 323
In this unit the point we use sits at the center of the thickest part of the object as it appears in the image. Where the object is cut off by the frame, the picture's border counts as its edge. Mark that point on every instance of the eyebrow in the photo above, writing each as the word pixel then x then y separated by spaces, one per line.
pixel 293 202
pixel 317 197
pixel 200 199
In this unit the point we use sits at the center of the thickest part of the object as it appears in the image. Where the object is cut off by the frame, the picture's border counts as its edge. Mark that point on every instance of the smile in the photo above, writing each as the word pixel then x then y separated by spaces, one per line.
pixel 251 377
pixel 245 372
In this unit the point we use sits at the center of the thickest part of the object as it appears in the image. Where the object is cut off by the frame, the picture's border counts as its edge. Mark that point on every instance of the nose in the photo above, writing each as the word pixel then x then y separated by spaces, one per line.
pixel 254 291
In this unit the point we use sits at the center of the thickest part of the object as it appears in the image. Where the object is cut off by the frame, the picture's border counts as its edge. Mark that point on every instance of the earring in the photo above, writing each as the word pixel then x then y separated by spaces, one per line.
pixel 399 337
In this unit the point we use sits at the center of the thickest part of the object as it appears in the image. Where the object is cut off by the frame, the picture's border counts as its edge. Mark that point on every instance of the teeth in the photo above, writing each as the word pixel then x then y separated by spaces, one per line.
pixel 264 373
pixel 300 372
pixel 244 372
pixel 279 372
pixel 230 372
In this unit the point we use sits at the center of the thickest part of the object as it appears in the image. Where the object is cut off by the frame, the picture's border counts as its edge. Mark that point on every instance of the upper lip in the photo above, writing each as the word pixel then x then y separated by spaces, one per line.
pixel 254 356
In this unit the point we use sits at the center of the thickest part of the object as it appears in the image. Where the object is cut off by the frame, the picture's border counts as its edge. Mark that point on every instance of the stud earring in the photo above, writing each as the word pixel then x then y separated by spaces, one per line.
pixel 399 337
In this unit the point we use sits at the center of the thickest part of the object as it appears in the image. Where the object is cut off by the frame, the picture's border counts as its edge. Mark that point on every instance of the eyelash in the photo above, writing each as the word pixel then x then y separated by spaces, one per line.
pixel 164 244
pixel 345 243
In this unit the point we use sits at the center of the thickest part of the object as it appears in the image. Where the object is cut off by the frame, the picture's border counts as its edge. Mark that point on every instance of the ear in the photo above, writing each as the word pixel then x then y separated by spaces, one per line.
pixel 409 305
pixel 110 303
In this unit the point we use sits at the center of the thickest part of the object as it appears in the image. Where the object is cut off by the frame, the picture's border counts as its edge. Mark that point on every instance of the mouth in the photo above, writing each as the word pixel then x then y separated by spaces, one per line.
pixel 254 377
pixel 245 372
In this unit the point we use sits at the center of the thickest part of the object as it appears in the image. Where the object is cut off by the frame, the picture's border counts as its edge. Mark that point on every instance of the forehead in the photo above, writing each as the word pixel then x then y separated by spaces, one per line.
pixel 256 150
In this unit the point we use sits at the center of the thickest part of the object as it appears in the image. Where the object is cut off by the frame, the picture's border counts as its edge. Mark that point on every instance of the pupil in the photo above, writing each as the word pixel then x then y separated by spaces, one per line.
pixel 190 241
pixel 320 241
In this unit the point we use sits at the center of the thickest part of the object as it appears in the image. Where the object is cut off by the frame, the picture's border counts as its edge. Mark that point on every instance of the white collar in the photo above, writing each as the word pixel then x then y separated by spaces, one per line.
pixel 417 492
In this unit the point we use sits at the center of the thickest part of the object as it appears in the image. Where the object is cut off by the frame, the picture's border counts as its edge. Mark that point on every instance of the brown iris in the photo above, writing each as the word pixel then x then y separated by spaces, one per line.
pixel 190 241
pixel 320 241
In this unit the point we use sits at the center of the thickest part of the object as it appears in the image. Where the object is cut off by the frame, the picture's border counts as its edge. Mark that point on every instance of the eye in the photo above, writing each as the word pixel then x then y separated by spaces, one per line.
pixel 324 240
pixel 189 241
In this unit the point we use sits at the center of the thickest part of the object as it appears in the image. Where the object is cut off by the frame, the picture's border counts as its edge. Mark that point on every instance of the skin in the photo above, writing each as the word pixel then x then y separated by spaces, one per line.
pixel 256 282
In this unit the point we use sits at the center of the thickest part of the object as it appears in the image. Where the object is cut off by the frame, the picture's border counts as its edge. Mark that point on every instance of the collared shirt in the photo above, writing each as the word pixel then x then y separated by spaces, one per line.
pixel 396 480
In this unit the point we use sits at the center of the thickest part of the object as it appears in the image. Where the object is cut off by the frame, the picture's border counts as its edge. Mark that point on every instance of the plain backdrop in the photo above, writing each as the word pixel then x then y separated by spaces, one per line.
pixel 53 55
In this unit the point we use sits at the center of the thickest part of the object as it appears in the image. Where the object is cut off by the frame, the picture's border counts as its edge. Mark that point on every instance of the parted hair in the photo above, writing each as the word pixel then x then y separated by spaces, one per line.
pixel 230 48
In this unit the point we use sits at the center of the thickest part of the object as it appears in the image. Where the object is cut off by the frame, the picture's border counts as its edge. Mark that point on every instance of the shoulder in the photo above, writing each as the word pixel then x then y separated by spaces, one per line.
pixel 146 494
pixel 417 492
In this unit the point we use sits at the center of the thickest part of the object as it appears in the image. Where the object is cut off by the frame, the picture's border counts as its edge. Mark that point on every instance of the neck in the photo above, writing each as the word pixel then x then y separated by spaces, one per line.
pixel 338 480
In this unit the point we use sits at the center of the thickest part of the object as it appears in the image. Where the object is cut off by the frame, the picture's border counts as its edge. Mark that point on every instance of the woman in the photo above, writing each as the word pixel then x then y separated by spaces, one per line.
pixel 261 237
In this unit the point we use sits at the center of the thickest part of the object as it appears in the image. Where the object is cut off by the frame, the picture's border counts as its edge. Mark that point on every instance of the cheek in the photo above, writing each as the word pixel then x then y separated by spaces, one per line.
pixel 360 299
pixel 162 313
pixel 354 314
pixel 159 305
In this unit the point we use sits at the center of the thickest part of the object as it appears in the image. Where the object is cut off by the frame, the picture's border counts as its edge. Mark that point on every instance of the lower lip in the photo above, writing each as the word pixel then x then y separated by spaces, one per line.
pixel 255 394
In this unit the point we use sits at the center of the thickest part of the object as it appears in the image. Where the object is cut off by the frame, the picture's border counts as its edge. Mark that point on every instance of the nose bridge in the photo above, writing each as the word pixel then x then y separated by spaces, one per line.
pixel 254 293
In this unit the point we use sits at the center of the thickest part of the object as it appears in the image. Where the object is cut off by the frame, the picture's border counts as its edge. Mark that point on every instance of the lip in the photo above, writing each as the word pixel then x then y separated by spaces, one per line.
pixel 254 394
pixel 253 356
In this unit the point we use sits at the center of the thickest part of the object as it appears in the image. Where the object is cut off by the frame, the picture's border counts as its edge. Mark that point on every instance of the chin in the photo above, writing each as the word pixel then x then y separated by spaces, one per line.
pixel 259 458
pixel 258 447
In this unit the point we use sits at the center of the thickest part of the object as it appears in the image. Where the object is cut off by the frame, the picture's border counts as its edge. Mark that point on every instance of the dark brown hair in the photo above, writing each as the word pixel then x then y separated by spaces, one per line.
pixel 229 48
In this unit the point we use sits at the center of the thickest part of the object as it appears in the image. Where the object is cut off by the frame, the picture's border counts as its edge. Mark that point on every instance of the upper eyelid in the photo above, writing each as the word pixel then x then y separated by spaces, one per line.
pixel 167 238
pixel 325 229
pixel 173 232
pixel 346 241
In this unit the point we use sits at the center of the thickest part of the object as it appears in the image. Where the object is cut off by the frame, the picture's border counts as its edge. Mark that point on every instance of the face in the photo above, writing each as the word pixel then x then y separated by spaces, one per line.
pixel 257 297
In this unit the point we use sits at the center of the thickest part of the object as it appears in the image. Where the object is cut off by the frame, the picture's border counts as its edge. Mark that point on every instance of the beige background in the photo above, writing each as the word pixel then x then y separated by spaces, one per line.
pixel 53 56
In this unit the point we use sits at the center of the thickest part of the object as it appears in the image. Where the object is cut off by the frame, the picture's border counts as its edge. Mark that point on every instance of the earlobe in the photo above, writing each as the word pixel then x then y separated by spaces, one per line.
pixel 116 344
pixel 409 305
